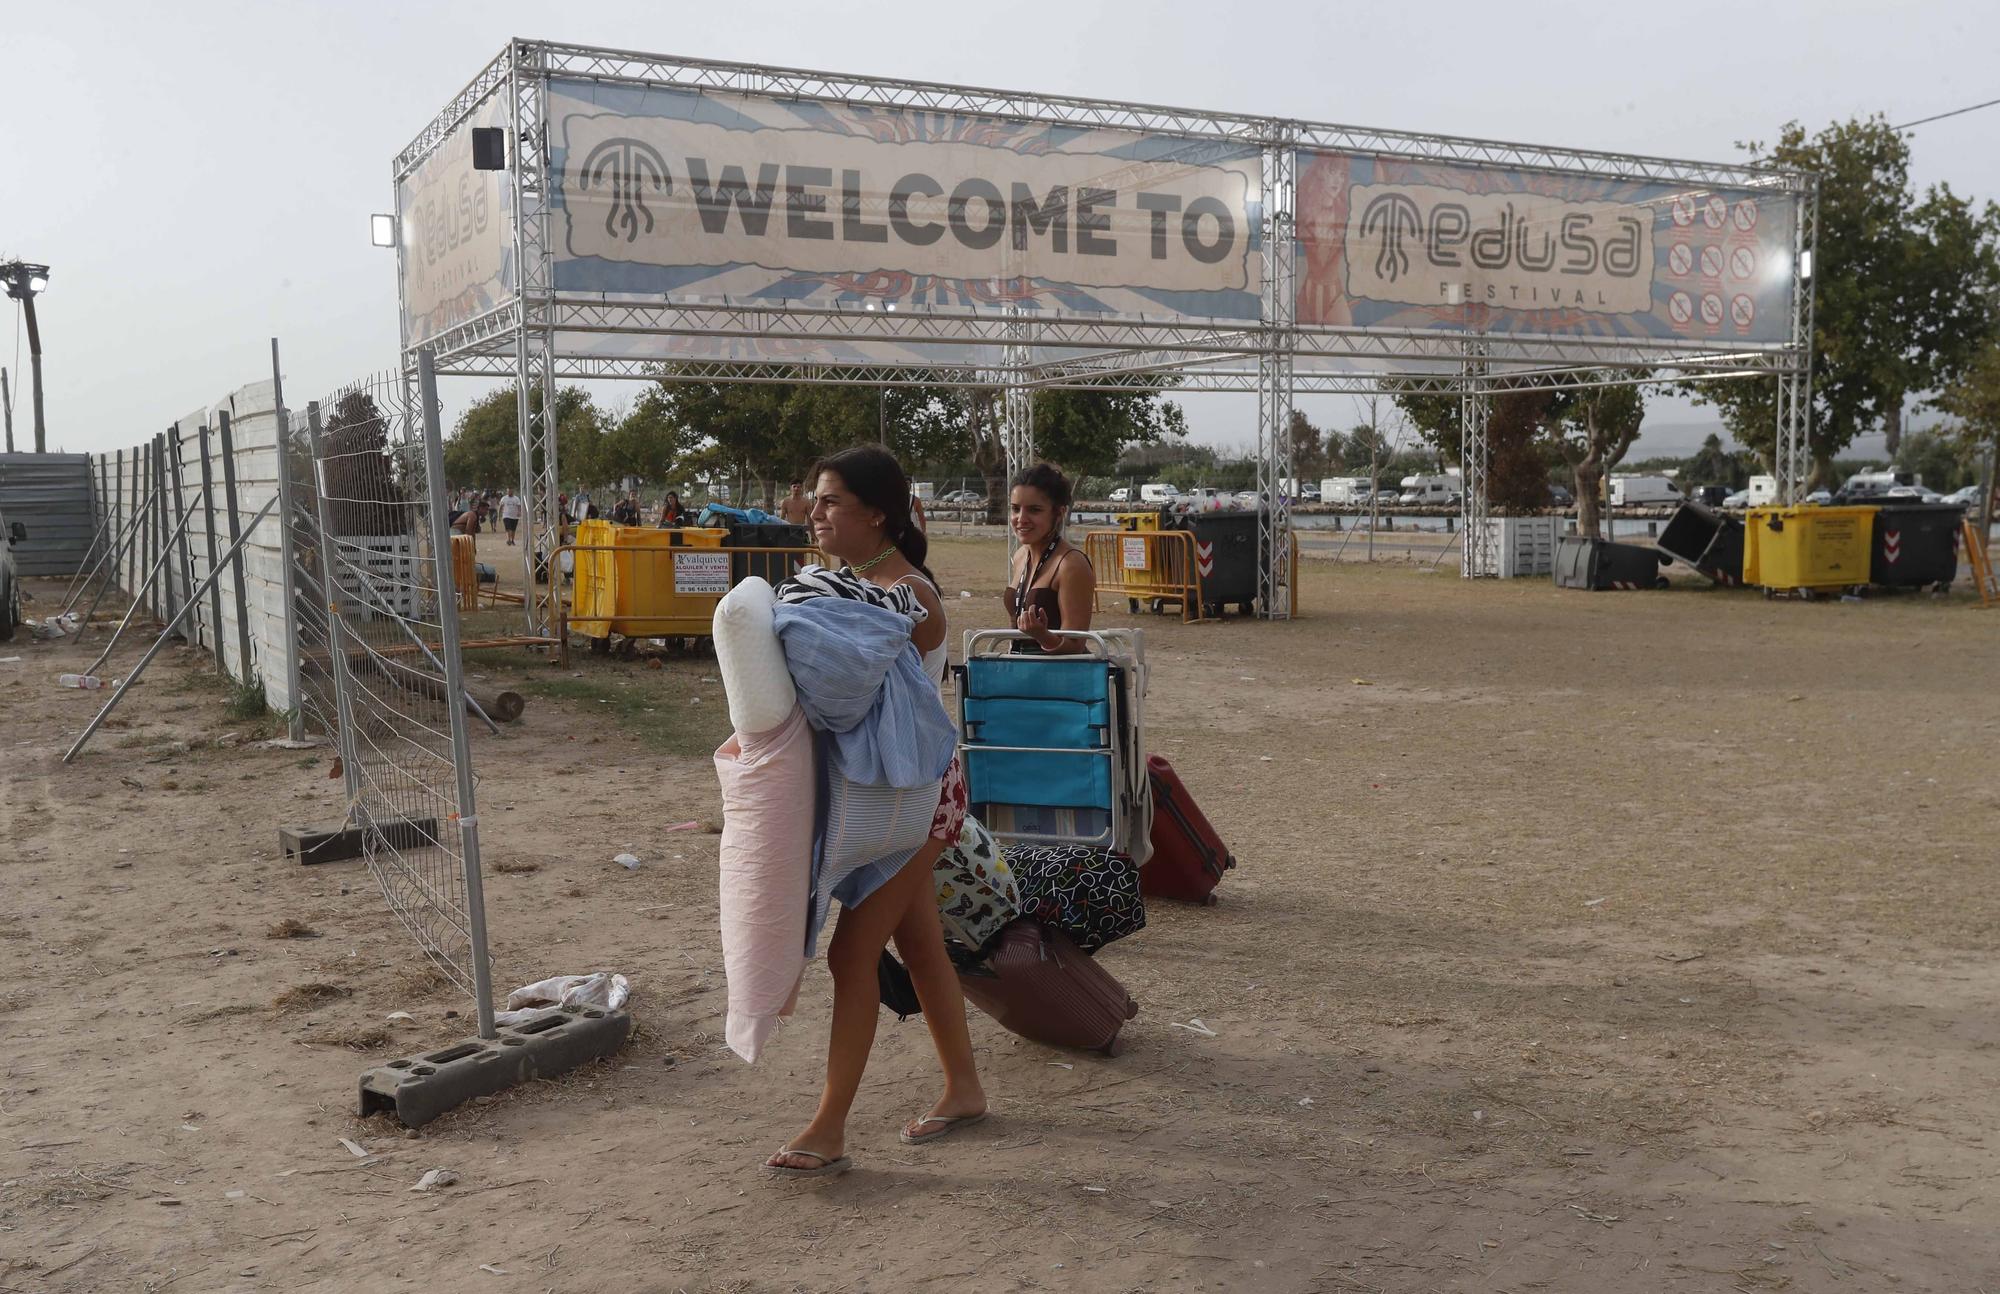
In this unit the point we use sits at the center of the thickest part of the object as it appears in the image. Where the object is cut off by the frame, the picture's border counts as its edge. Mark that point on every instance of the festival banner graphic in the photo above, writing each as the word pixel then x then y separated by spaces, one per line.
pixel 716 196
pixel 457 230
pixel 1399 243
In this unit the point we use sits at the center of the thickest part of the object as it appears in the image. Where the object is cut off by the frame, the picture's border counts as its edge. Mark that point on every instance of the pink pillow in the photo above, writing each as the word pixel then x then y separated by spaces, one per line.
pixel 766 875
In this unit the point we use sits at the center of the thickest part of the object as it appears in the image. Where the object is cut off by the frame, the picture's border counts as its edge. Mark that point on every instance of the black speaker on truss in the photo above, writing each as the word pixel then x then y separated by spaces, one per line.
pixel 489 148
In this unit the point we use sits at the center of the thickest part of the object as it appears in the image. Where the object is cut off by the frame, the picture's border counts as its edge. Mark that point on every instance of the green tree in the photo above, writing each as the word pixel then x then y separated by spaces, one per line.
pixel 1594 427
pixel 1934 457
pixel 1974 399
pixel 1714 465
pixel 1901 285
pixel 1519 452
pixel 483 450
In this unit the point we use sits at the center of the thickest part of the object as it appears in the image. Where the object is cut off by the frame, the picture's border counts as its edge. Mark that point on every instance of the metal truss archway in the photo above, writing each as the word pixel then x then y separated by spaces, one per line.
pixel 526 323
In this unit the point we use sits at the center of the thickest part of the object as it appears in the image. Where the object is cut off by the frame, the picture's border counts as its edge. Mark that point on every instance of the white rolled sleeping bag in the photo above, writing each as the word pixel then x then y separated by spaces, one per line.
pixel 751 660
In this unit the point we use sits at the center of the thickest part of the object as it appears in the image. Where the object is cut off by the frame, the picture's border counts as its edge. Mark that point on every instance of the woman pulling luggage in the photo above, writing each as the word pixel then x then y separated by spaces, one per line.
pixel 1051 585
pixel 861 515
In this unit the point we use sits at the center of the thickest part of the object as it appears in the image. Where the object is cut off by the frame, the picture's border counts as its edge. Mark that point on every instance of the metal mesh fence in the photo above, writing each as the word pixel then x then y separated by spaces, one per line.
pixel 394 681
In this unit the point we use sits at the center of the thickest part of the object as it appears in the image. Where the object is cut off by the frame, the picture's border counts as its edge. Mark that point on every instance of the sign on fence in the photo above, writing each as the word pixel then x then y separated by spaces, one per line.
pixel 701 572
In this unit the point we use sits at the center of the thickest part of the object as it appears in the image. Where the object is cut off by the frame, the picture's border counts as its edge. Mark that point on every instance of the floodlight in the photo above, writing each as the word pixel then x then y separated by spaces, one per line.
pixel 38 283
pixel 1805 264
pixel 382 230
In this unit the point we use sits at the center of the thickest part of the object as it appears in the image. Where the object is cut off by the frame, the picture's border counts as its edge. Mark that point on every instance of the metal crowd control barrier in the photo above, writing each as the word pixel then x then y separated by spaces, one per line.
pixel 1161 566
pixel 657 592
pixel 1152 566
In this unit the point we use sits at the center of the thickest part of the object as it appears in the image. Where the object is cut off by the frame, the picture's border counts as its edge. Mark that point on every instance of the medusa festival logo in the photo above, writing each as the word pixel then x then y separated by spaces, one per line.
pixel 626 167
pixel 1393 217
pixel 1514 250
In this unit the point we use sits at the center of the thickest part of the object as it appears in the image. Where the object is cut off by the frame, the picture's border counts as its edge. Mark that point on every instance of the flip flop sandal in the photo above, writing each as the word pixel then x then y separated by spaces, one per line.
pixel 950 1126
pixel 827 1167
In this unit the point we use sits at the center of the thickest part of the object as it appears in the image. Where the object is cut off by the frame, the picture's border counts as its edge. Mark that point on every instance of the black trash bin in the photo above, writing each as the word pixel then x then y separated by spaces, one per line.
pixel 1709 541
pixel 775 568
pixel 1225 556
pixel 1915 544
pixel 1600 564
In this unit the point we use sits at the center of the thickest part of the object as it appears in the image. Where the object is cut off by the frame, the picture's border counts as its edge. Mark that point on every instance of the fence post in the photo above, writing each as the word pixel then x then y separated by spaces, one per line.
pixel 296 727
pixel 336 648
pixel 454 687
pixel 228 446
pixel 215 579
pixel 184 591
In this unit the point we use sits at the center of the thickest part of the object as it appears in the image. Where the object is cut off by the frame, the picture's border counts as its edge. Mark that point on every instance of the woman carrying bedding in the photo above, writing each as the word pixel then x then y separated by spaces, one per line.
pixel 1051 585
pixel 861 515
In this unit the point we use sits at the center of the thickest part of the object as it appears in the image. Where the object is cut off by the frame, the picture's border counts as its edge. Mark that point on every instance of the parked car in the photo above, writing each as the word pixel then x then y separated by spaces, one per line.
pixel 1740 499
pixel 1561 497
pixel 1425 490
pixel 11 533
pixel 1821 497
pixel 963 499
pixel 1205 498
pixel 1159 492
pixel 1309 493
pixel 1246 498
pixel 1123 494
pixel 1711 496
pixel 1965 498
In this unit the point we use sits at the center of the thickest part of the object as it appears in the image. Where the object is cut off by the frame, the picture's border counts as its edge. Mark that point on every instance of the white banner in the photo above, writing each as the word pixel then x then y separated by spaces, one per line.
pixel 455 235
pixel 670 192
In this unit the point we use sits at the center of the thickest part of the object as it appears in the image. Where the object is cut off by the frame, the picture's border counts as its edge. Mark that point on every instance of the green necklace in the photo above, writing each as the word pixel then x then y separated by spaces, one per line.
pixel 864 567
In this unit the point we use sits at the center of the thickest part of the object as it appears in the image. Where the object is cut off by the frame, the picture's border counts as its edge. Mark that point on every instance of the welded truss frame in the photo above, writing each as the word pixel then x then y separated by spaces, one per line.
pixel 1273 356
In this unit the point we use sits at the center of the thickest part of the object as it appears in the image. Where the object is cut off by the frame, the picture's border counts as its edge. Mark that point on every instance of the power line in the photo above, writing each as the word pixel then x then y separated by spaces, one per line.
pixel 1955 112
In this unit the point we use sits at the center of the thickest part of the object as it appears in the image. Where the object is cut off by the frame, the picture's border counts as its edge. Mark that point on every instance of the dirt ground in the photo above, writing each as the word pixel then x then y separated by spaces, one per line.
pixel 1580 942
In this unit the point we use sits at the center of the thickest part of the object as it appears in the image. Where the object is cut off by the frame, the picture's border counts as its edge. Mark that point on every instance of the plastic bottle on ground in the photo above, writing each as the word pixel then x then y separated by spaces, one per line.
pixel 88 682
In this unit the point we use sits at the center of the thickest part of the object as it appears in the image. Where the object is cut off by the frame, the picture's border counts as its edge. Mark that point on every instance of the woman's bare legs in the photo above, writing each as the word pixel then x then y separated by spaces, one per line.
pixel 859 936
pixel 920 941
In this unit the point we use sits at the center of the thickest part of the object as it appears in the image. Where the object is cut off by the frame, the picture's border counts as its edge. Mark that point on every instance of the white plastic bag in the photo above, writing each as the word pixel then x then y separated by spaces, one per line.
pixel 601 989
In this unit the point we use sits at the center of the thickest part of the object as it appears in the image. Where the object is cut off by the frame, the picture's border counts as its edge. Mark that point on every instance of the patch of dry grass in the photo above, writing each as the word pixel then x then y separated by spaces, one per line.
pixel 352 1037
pixel 516 867
pixel 291 928
pixel 309 997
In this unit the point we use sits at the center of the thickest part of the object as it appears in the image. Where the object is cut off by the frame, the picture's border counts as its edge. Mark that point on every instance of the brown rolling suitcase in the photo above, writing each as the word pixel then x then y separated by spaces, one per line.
pixel 1039 985
pixel 1189 858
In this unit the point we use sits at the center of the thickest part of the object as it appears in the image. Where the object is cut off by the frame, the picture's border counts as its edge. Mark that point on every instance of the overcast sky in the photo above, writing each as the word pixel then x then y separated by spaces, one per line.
pixel 199 175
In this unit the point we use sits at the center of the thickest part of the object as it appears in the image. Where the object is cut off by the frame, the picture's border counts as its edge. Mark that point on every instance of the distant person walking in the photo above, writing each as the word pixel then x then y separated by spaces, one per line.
pixel 512 506
pixel 795 507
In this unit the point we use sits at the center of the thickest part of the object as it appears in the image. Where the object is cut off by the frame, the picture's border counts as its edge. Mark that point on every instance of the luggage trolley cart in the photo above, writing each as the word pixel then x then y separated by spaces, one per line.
pixel 1054 746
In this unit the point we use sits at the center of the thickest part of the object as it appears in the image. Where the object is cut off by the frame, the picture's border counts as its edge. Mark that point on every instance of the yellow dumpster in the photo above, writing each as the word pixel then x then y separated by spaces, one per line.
pixel 465 571
pixel 1807 548
pixel 647 583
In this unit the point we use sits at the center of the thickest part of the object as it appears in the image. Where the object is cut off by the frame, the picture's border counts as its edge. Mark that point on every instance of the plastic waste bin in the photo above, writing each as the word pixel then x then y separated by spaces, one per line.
pixel 1226 559
pixel 1807 548
pixel 651 583
pixel 1145 567
pixel 1599 564
pixel 775 568
pixel 1915 544
pixel 1709 541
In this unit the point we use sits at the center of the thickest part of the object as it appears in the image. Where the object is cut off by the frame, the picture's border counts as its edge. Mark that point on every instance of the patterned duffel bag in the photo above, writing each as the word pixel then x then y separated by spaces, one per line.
pixel 1090 894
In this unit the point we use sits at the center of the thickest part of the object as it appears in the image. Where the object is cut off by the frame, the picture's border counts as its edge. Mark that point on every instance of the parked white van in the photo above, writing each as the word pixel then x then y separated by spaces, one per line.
pixel 1426 490
pixel 1344 489
pixel 1631 491
pixel 1159 492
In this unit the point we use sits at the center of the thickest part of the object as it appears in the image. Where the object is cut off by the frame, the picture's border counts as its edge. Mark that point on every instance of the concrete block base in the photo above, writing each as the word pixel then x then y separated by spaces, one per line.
pixel 417 1089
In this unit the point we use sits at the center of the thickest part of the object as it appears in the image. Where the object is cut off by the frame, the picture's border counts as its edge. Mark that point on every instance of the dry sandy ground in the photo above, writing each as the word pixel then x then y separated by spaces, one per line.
pixel 1581 942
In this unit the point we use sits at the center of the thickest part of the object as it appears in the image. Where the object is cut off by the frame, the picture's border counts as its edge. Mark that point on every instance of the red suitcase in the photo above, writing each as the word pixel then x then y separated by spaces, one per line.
pixel 1188 857
pixel 1037 984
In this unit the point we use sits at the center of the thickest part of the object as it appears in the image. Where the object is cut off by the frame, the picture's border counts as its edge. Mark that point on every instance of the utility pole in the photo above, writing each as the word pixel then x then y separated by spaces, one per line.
pixel 7 399
pixel 24 282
